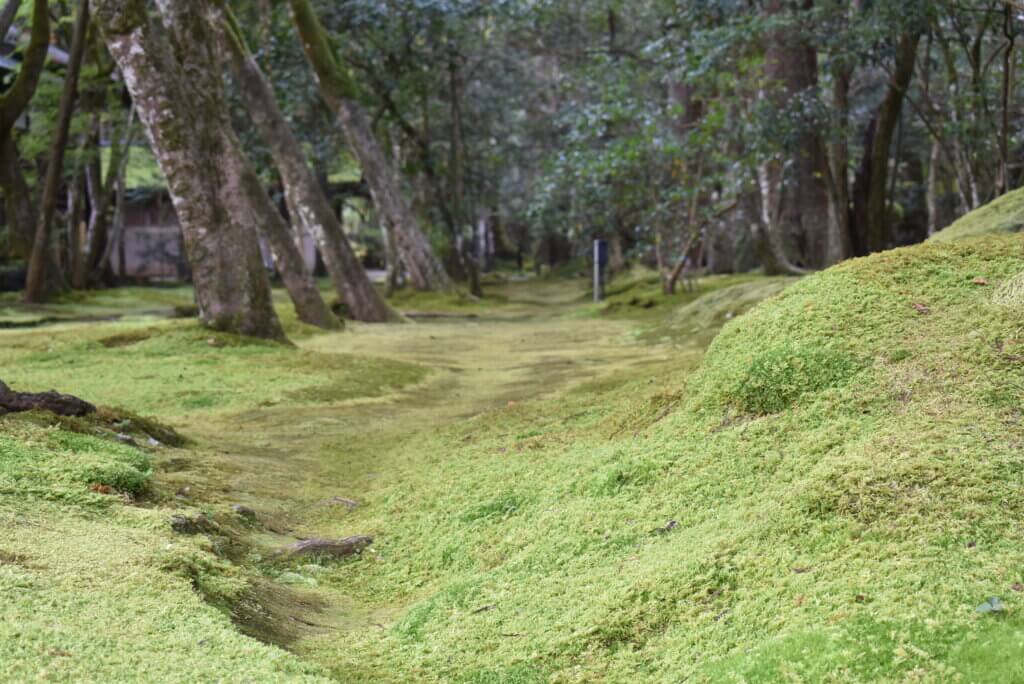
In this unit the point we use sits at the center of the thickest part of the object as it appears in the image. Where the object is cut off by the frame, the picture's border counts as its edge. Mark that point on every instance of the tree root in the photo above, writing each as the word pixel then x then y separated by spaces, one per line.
pixel 61 404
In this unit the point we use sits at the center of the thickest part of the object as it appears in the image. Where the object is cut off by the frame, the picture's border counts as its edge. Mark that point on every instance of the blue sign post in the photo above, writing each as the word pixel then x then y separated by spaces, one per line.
pixel 600 263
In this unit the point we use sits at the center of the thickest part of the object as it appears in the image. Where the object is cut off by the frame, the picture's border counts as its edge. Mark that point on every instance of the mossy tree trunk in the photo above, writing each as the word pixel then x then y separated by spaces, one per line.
pixel 180 101
pixel 340 92
pixel 35 284
pixel 307 204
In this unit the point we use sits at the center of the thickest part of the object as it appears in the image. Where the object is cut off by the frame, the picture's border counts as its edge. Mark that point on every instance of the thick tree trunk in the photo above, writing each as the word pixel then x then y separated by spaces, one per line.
pixel 792 62
pixel 878 232
pixel 339 91
pixel 35 284
pixel 307 204
pixel 181 104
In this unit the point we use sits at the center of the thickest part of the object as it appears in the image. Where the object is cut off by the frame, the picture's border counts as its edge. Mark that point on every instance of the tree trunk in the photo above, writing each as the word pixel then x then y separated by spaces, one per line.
pixel 249 199
pixel 839 244
pixel 7 16
pixel 878 232
pixel 39 260
pixel 21 215
pixel 307 204
pixel 181 104
pixel 75 262
pixel 101 191
pixel 932 191
pixel 792 62
pixel 339 91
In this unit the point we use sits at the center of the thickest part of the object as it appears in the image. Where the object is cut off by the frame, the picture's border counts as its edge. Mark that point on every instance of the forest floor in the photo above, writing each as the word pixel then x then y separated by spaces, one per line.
pixel 557 491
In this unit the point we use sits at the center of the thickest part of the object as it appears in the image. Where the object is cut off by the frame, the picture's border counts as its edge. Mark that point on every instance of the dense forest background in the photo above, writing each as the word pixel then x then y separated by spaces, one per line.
pixel 721 135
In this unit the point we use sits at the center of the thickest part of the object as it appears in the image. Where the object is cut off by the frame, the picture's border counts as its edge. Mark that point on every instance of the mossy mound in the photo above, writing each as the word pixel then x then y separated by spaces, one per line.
pixel 1004 215
pixel 705 316
pixel 835 495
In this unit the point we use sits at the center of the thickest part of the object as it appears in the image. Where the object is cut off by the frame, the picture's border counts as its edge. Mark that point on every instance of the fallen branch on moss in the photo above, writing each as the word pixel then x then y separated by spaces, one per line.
pixel 61 404
pixel 335 548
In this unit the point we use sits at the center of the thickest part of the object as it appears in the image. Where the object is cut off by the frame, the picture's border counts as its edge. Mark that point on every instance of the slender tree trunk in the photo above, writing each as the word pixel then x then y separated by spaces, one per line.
pixel 18 199
pixel 101 193
pixel 878 232
pixel 340 92
pixel 307 204
pixel 772 254
pixel 115 237
pixel 38 262
pixel 75 201
pixel 839 244
pixel 249 199
pixel 181 104
pixel 932 191
pixel 7 16
pixel 457 182
pixel 1003 177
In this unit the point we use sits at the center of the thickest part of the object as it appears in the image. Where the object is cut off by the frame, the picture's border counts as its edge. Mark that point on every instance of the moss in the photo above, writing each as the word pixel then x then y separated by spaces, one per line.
pixel 639 294
pixel 1004 215
pixel 778 376
pixel 557 501
pixel 1011 293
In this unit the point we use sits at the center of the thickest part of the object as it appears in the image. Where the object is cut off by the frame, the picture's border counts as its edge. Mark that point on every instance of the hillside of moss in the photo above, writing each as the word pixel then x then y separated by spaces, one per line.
pixel 830 492
pixel 833 495
pixel 1004 215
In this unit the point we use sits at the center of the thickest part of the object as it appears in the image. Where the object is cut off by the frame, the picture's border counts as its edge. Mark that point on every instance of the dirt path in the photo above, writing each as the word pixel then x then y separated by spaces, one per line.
pixel 285 461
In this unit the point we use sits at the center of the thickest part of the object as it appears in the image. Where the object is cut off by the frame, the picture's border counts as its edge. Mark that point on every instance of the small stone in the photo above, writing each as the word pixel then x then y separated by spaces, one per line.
pixel 350 504
pixel 154 442
pixel 191 525
pixel 244 511
pixel 126 439
pixel 183 493
pixel 184 525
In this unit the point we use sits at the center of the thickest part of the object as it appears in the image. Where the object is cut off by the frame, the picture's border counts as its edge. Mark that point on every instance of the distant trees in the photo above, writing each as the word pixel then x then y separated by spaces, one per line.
pixel 307 204
pixel 341 93
pixel 718 135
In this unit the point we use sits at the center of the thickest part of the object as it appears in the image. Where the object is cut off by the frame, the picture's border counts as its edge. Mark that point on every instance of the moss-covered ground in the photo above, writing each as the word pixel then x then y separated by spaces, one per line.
pixel 558 492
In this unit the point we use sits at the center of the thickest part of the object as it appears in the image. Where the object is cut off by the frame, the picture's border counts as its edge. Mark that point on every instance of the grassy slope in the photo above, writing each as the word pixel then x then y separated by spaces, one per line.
pixel 97 590
pixel 1004 215
pixel 830 496
pixel 844 472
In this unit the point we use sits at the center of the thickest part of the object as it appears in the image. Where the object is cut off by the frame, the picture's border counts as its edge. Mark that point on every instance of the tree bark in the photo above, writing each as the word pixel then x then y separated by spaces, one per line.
pixel 7 16
pixel 181 104
pixel 101 191
pixel 39 261
pixel 18 199
pixel 340 92
pixel 878 232
pixel 307 204
pixel 792 62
